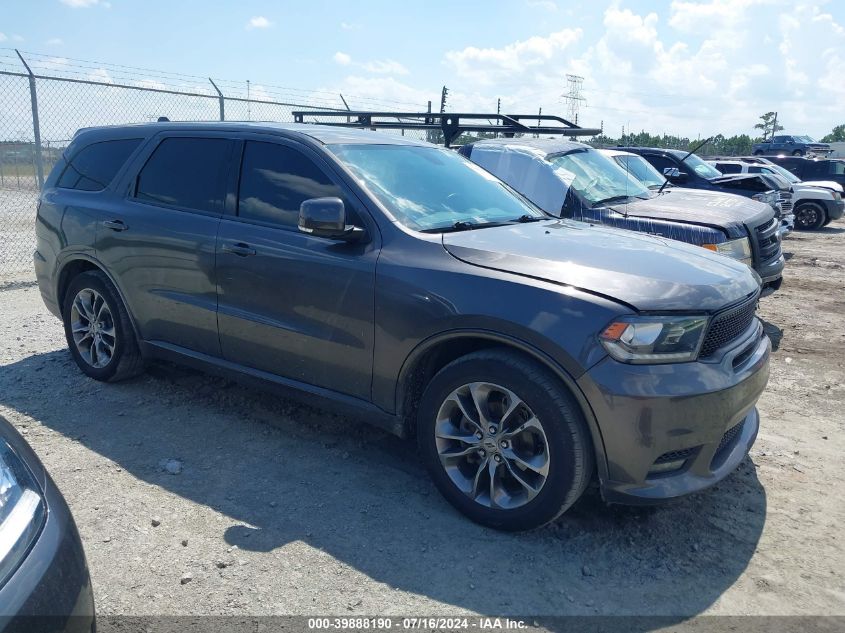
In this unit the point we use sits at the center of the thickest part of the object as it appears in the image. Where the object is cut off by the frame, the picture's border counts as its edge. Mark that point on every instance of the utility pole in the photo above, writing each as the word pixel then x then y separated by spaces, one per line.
pixel 573 96
pixel 539 122
pixel 498 111
pixel 443 99
pixel 774 126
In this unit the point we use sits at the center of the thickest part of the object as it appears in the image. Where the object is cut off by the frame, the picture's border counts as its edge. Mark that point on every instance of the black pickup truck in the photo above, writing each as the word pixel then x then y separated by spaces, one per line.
pixel 573 180
pixel 792 145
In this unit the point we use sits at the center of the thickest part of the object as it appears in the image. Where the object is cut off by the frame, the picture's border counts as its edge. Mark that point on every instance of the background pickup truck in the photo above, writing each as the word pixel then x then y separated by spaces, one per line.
pixel 792 145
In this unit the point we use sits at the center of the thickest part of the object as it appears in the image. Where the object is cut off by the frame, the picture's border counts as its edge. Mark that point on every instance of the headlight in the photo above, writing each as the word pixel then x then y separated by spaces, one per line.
pixel 654 339
pixel 22 510
pixel 738 249
pixel 837 195
pixel 769 197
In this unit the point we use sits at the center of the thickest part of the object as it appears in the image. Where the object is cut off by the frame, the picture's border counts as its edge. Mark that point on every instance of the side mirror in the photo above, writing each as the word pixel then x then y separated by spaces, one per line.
pixel 674 174
pixel 326 217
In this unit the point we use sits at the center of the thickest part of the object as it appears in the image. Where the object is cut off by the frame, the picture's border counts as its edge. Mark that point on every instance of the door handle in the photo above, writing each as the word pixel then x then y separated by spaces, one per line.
pixel 115 225
pixel 239 248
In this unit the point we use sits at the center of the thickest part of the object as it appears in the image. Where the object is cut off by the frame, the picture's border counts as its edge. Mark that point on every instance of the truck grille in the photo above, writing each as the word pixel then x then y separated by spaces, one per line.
pixel 727 326
pixel 765 241
pixel 785 198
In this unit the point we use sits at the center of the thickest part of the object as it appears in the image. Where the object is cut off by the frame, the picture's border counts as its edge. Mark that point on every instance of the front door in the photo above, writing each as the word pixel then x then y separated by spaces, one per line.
pixel 297 306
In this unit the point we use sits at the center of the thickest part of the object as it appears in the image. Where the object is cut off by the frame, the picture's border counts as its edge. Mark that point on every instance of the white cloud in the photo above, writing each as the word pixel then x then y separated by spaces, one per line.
pixel 259 22
pixel 3 37
pixel 54 41
pixel 547 5
pixel 349 26
pixel 342 58
pixel 385 67
pixel 81 4
pixel 487 65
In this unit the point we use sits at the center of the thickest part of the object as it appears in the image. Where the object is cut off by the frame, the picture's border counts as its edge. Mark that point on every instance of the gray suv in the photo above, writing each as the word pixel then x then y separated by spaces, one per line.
pixel 528 355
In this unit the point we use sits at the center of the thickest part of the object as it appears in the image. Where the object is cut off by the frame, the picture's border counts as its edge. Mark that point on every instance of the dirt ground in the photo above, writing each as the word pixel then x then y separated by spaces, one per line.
pixel 277 508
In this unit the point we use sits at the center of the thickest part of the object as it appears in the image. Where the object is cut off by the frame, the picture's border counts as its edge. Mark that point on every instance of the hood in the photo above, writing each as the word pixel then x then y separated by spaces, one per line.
pixel 645 272
pixel 696 206
pixel 827 184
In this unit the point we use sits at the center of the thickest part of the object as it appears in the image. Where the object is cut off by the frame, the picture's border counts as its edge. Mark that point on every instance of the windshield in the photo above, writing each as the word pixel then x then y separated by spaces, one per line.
pixel 701 168
pixel 640 169
pixel 433 189
pixel 595 177
pixel 784 173
pixel 803 139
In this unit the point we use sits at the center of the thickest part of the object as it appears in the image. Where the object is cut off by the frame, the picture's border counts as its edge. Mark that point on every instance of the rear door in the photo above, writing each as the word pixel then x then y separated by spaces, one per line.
pixel 159 243
pixel 291 304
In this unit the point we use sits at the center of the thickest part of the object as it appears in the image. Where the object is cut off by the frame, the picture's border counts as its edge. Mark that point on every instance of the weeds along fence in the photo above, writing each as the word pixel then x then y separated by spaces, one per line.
pixel 45 100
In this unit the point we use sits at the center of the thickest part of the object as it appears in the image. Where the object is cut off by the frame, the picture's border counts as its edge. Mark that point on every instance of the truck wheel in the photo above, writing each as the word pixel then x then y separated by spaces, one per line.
pixel 809 216
pixel 798 152
pixel 98 330
pixel 503 440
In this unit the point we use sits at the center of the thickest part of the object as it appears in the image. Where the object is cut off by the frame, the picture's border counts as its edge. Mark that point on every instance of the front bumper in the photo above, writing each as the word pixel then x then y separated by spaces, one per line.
pixel 700 413
pixel 51 590
pixel 834 208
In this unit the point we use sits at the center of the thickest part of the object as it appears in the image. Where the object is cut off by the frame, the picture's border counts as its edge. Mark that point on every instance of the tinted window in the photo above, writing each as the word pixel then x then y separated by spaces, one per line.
pixel 660 162
pixel 754 170
pixel 187 172
pixel 93 167
pixel 729 168
pixel 276 179
pixel 837 168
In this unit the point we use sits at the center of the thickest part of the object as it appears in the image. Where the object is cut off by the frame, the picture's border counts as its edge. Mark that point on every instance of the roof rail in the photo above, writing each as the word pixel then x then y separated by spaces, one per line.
pixel 452 124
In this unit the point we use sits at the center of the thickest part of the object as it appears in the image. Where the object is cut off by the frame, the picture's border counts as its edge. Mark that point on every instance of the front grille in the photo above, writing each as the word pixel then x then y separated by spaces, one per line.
pixel 673 456
pixel 728 437
pixel 785 202
pixel 766 242
pixel 727 326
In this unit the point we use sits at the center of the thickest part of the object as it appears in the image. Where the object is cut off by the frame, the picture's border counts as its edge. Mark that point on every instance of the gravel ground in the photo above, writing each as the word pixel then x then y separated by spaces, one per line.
pixel 195 495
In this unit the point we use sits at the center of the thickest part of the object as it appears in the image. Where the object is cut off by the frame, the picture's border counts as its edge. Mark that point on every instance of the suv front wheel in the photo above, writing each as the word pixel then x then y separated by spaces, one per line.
pixel 98 330
pixel 503 440
pixel 809 216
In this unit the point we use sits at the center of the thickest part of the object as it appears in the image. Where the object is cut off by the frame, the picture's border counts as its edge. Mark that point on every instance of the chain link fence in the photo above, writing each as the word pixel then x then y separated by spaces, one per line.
pixel 45 100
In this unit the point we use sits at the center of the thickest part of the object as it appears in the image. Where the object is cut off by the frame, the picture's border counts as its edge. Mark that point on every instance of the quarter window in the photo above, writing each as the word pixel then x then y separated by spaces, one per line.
pixel 189 173
pixel 93 167
pixel 276 180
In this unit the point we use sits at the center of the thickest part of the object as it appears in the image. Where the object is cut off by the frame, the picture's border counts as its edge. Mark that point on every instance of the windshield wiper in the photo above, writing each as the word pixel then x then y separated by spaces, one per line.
pixel 611 200
pixel 530 218
pixel 462 225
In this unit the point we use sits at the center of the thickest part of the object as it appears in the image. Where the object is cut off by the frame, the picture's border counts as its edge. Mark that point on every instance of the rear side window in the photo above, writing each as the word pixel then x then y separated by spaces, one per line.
pixel 93 167
pixel 189 173
pixel 660 162
pixel 276 179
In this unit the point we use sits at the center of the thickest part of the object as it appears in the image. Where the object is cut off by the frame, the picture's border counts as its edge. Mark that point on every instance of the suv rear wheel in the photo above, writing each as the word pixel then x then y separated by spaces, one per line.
pixel 809 216
pixel 503 440
pixel 98 331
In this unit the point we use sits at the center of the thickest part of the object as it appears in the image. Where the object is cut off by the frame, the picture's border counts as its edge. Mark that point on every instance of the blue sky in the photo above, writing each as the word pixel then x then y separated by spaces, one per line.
pixel 692 68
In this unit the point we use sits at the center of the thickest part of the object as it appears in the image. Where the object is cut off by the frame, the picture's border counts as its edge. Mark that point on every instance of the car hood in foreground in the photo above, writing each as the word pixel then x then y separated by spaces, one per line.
pixel 645 272
pixel 697 206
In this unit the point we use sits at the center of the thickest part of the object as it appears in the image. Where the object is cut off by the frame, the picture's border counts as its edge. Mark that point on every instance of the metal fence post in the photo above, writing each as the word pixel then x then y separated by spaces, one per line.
pixel 221 99
pixel 36 125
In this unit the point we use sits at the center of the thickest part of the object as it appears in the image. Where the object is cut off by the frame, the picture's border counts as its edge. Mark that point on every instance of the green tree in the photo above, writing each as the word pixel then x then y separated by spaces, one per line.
pixel 768 124
pixel 838 134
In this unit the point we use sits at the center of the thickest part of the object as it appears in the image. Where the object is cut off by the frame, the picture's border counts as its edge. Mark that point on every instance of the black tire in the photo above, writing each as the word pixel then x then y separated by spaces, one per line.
pixel 809 216
pixel 125 361
pixel 569 447
pixel 798 152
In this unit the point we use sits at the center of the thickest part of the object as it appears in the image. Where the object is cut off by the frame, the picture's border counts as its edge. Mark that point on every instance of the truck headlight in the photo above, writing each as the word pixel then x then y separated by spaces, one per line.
pixel 654 339
pixel 738 249
pixel 769 197
pixel 22 510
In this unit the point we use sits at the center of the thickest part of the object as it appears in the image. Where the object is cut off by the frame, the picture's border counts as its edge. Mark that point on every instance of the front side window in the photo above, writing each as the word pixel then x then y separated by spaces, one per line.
pixel 189 173
pixel 729 168
pixel 433 189
pixel 276 180
pixel 598 179
pixel 93 167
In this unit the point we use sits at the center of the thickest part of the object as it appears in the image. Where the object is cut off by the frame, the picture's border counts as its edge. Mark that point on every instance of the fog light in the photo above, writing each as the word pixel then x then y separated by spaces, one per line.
pixel 667 467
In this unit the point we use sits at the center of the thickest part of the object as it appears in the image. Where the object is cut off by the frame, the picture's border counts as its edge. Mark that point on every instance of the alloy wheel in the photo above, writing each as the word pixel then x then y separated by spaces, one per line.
pixel 491 445
pixel 92 326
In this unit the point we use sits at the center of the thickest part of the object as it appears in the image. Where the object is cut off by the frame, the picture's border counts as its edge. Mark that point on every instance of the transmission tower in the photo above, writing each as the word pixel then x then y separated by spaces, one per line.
pixel 573 97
